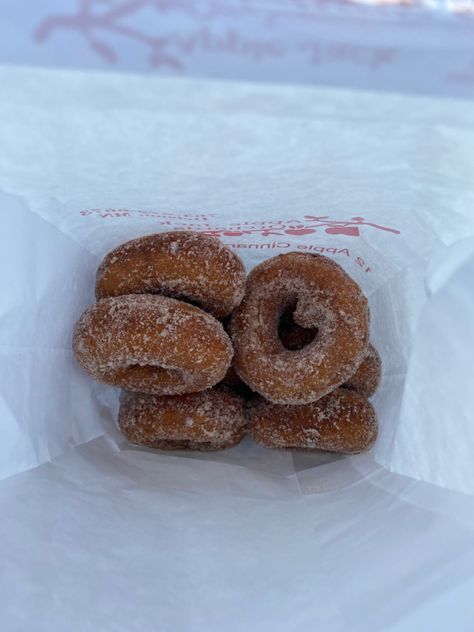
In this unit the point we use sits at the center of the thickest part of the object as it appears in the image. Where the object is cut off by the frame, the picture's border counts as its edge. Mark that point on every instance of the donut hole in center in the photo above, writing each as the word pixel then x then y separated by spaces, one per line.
pixel 292 336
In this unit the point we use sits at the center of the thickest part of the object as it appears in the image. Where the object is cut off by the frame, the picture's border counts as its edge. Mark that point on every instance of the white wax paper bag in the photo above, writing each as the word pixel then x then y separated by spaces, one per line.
pixel 368 182
pixel 104 540
pixel 112 537
pixel 44 274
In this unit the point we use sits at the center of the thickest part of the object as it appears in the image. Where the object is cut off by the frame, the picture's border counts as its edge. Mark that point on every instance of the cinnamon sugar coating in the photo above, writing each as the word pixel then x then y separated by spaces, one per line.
pixel 181 264
pixel 327 300
pixel 343 422
pixel 211 420
pixel 151 344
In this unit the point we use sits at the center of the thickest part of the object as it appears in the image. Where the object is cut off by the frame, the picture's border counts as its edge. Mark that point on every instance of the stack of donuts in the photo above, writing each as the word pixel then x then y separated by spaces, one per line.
pixel 205 355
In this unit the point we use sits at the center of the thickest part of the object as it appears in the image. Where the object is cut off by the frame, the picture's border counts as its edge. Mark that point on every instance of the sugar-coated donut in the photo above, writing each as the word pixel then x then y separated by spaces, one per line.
pixel 328 300
pixel 184 265
pixel 367 377
pixel 152 344
pixel 210 420
pixel 343 422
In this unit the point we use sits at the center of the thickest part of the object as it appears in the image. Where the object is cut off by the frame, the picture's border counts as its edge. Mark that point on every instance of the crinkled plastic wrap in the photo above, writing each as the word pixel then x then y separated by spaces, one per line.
pixel 100 535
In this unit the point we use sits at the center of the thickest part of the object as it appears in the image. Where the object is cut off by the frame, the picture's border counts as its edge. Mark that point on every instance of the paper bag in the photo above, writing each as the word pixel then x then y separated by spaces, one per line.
pixel 103 535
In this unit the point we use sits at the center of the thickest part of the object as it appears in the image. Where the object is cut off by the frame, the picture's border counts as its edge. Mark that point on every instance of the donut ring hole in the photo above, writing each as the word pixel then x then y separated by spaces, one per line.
pixel 292 336
pixel 286 334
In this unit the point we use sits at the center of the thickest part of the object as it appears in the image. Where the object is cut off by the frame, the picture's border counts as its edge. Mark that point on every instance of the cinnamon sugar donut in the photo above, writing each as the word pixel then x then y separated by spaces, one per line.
pixel 211 420
pixel 343 422
pixel 151 344
pixel 326 299
pixel 184 265
pixel 367 377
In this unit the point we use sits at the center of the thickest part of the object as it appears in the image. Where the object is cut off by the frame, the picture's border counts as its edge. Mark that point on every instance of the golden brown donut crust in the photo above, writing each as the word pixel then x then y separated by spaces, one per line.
pixel 181 264
pixel 210 420
pixel 326 299
pixel 367 377
pixel 151 344
pixel 343 421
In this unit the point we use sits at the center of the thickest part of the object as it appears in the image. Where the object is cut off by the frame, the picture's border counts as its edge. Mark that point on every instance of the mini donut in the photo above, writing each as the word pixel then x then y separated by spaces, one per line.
pixel 328 300
pixel 151 344
pixel 210 420
pixel 343 422
pixel 367 377
pixel 184 265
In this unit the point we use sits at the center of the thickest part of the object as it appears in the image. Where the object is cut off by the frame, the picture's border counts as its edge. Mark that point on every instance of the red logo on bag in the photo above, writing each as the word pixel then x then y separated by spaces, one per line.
pixel 309 225
pixel 151 25
pixel 207 224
